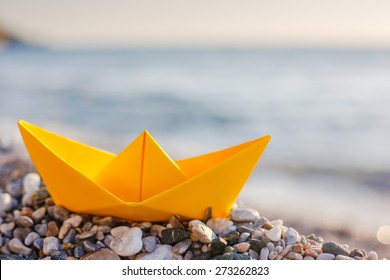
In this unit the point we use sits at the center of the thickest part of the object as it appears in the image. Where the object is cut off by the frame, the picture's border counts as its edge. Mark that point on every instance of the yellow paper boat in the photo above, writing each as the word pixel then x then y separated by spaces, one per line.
pixel 142 183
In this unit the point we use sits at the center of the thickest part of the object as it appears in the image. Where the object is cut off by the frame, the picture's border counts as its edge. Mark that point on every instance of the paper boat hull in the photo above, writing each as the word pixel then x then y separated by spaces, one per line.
pixel 68 178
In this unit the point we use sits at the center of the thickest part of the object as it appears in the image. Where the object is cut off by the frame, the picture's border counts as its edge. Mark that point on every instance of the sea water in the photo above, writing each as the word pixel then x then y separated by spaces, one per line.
pixel 328 112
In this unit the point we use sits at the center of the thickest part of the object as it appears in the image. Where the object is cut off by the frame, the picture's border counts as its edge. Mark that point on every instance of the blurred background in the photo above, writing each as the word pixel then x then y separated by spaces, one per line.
pixel 204 75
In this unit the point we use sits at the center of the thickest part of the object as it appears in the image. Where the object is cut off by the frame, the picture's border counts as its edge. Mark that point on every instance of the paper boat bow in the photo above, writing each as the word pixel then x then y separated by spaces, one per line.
pixel 142 182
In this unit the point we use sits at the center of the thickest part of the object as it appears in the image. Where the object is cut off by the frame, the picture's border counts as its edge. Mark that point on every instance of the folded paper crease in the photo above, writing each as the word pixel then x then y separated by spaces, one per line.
pixel 142 182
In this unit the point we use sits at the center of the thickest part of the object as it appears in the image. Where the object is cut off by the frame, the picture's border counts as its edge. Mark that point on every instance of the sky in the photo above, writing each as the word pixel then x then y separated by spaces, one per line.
pixel 123 23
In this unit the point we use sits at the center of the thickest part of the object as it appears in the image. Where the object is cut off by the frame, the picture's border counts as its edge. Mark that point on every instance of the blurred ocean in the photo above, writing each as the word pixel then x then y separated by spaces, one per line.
pixel 327 110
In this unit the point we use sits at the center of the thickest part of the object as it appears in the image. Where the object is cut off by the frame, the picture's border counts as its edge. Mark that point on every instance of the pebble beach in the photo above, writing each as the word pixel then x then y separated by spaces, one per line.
pixel 33 227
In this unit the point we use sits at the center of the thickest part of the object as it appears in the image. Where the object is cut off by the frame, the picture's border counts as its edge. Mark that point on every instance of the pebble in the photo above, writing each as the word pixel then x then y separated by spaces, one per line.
pixel 372 255
pixel 86 235
pixel 258 233
pixel 38 214
pixel 311 253
pixel 5 202
pixel 64 230
pixel 127 241
pixel 31 182
pixel 270 246
pixel 297 248
pixel 24 221
pixel 70 236
pixel 257 245
pixel 259 223
pixel 294 256
pixel 78 252
pixel 16 246
pixel 232 238
pixel 15 188
pixel 244 215
pixel 38 243
pixel 31 237
pixel 219 225
pixel 52 229
pixel 203 233
pixel 89 247
pixel 28 199
pixel 203 256
pixel 102 254
pixel 74 221
pixel 244 237
pixel 174 235
pixel 182 246
pixel 149 243
pixel 357 253
pixel 335 249
pixel 253 254
pixel 21 233
pixel 343 258
pixel 264 253
pixel 50 245
pixel 235 256
pixel 242 247
pixel 274 234
pixel 308 258
pixel 292 236
pixel 162 252
pixel 272 255
pixel 326 256
pixel 58 212
pixel 7 228
pixel 218 246
pixel 156 230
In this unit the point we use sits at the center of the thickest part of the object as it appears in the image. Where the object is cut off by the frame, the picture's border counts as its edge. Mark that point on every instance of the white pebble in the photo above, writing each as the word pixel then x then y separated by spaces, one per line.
pixel 292 236
pixel 372 255
pixel 274 234
pixel 326 256
pixel 203 233
pixel 5 202
pixel 31 182
pixel 219 225
pixel 244 215
pixel 127 241
pixel 264 253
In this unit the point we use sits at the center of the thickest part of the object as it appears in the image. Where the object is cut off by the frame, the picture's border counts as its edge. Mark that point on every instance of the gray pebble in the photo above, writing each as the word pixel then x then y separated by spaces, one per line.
pixel 335 249
pixel 70 236
pixel 162 252
pixel 294 256
pixel 244 237
pixel 89 247
pixel 219 225
pixel 264 253
pixel 31 237
pixel 244 215
pixel 182 246
pixel 16 246
pixel 149 243
pixel 99 236
pixel 188 255
pixel 343 258
pixel 41 229
pixel 7 229
pixel 15 188
pixel 38 243
pixel 50 245
pixel 108 239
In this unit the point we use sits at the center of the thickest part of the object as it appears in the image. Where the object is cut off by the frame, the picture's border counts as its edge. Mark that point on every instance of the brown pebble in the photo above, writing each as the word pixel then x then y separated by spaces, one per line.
pixel 267 226
pixel 311 253
pixel 297 248
pixel 39 214
pixel 52 229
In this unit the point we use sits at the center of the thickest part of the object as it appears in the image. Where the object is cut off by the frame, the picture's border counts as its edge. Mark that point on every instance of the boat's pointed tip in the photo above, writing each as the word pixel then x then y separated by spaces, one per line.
pixel 22 123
